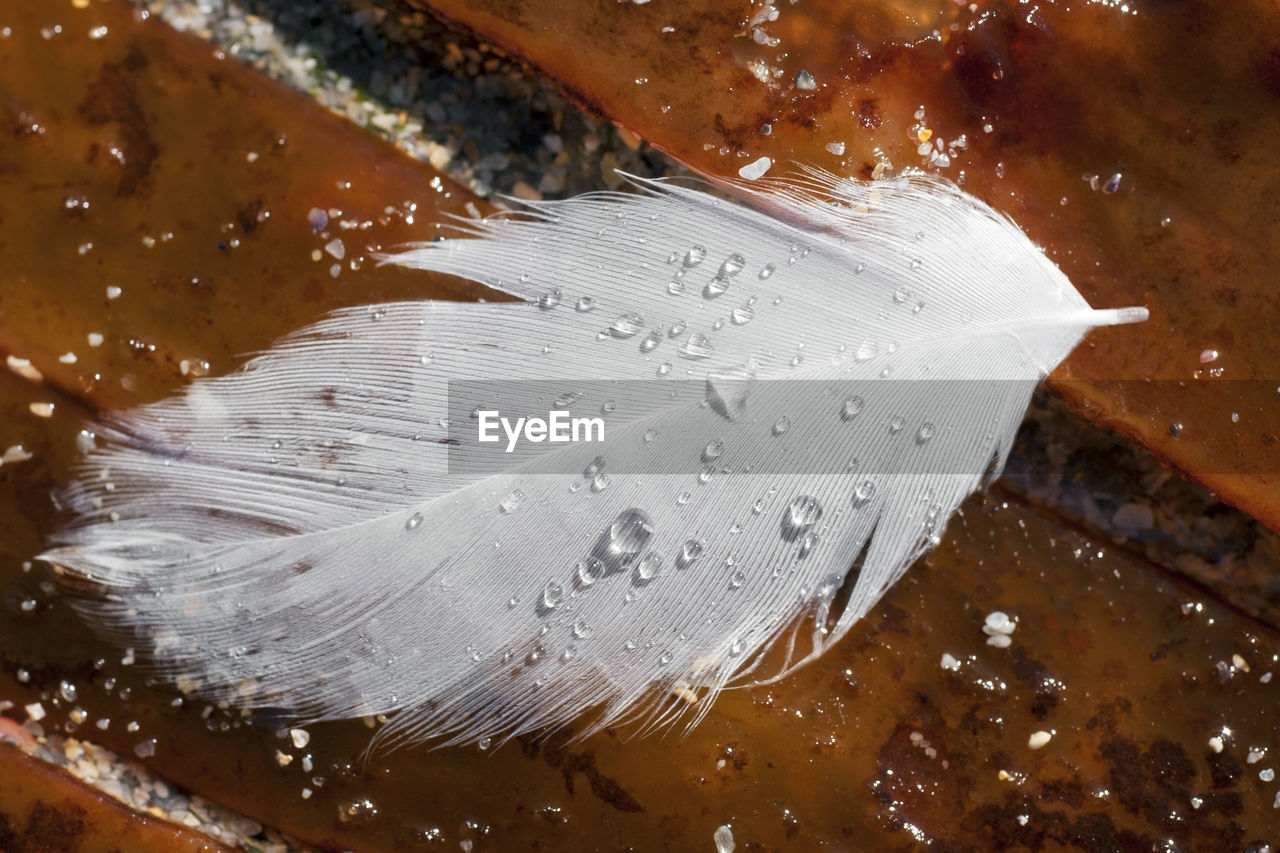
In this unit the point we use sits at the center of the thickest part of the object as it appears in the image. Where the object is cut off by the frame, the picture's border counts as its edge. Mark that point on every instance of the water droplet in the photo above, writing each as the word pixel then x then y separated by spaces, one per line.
pixel 512 502
pixel 900 295
pixel 851 407
pixel 1112 184
pixel 695 256
pixel 589 571
pixel 916 263
pixel 807 544
pixel 650 342
pixel 608 407
pixel 766 271
pixel 737 579
pixel 649 567
pixel 650 435
pixel 550 299
pixel 600 482
pixel 732 265
pixel 802 513
pixel 697 346
pixel 625 538
pixel 676 329
pixel 665 658
pixel 675 287
pixel 896 425
pixel 414 522
pixel 673 257
pixel 705 475
pixel 513 601
pixel 781 425
pixel 758 506
pixel 581 629
pixel 67 690
pixel 484 743
pixel 683 498
pixel 690 552
pixel 585 304
pixel 716 287
pixel 863 492
pixel 552 595
pixel 735 648
pixel 566 399
pixel 866 351
pixel 664 368
pixel 713 451
pixel 626 325
pixel 742 315
pixel 926 432
pixel 593 468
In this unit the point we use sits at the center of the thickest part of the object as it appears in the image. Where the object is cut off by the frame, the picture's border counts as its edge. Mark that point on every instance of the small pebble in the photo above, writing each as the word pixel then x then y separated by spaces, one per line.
pixel 1039 739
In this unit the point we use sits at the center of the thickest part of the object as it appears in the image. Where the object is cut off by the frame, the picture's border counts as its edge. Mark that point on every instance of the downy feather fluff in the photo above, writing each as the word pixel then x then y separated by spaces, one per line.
pixel 293 537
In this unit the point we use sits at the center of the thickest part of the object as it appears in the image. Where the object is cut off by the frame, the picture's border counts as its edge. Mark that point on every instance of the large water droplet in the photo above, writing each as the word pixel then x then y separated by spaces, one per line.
pixel 600 482
pixel 624 539
pixel 713 451
pixel 649 567
pixel 802 513
pixel 863 492
pixel 626 325
pixel 552 595
pixel 550 299
pixel 851 407
pixel 665 658
pixel 512 502
pixel 697 346
pixel 689 552
pixel 695 255
pixel 732 265
pixel 585 304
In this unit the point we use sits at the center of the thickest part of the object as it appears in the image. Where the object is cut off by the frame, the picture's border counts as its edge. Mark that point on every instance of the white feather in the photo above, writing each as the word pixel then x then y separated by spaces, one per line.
pixel 295 537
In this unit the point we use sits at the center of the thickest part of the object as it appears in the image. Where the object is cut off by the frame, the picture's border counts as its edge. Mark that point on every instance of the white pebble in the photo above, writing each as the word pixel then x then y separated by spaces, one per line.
pixel 336 248
pixel 41 410
pixel 949 662
pixel 1254 756
pixel 723 838
pixel 1267 775
pixel 1000 641
pixel 24 368
pixel 67 358
pixel 35 711
pixel 755 169
pixel 998 622
pixel 1039 739
pixel 1215 743
pixel 14 453
pixel 114 291
pixel 95 339
pixel 300 737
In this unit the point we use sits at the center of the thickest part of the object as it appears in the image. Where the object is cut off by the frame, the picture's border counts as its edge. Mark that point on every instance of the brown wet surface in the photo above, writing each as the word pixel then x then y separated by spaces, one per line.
pixel 874 747
pixel 1181 98
pixel 142 161
pixel 46 809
